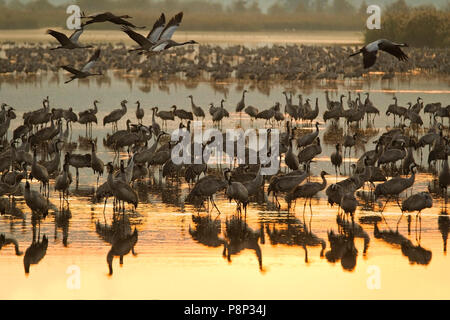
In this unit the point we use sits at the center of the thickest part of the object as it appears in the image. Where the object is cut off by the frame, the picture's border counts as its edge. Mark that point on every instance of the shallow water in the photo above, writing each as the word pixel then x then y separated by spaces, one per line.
pixel 180 259
pixel 211 37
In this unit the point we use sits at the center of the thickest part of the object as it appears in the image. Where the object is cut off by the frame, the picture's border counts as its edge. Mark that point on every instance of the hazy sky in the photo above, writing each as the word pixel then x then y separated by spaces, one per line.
pixel 264 4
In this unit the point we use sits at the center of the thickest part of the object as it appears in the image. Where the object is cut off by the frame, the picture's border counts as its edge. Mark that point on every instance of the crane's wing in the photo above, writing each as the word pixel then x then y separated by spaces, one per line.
pixel 97 15
pixel 171 27
pixel 393 50
pixel 71 70
pixel 91 61
pixel 157 29
pixel 369 58
pixel 139 38
pixel 76 35
pixel 123 22
pixel 160 46
pixel 61 37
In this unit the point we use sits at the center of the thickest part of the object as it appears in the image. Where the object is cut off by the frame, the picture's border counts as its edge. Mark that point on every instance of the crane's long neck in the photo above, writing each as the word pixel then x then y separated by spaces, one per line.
pixel 177 44
pixel 411 179
pixel 357 52
pixel 110 180
pixel 445 165
pixel 287 98
pixel 324 182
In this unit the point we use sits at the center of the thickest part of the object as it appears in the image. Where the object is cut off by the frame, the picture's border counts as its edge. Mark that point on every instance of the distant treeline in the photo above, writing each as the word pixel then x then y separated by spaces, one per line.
pixel 423 26
pixel 199 14
pixel 245 15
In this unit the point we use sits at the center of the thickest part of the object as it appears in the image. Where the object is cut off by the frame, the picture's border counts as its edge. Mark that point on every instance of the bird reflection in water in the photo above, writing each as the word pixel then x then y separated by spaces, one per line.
pixel 342 247
pixel 10 209
pixel 240 236
pixel 355 229
pixel 416 254
pixel 206 231
pixel 295 233
pixel 35 252
pixel 62 219
pixel 120 236
pixel 4 241
pixel 444 228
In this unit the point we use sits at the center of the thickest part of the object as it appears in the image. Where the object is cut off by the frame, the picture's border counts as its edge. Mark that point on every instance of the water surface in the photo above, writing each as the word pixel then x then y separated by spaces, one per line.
pixel 175 260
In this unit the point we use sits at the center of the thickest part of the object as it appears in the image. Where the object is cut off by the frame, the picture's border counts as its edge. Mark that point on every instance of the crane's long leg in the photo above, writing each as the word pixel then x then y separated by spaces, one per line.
pixel 104 209
pixel 399 204
pixel 310 209
pixel 385 204
pixel 215 206
pixel 398 222
pixel 304 208
pixel 382 215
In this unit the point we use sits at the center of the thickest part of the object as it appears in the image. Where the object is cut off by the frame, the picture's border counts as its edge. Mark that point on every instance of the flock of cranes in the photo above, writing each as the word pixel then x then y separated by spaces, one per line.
pixel 47 132
pixel 43 130
pixel 148 152
pixel 158 39
pixel 141 152
pixel 218 63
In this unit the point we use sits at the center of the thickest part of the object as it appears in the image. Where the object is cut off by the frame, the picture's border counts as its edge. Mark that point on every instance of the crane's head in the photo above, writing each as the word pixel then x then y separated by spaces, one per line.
pixel 110 167
pixel 227 175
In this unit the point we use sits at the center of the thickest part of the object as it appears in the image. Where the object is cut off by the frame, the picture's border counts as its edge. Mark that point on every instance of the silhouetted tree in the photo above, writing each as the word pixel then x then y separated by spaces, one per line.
pixel 239 6
pixel 342 6
pixel 276 9
pixel 321 5
pixel 398 6
pixel 363 7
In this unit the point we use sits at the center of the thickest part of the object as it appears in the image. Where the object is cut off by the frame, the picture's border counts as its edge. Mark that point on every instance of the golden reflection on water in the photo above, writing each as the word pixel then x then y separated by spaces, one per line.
pixel 180 251
pixel 219 37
